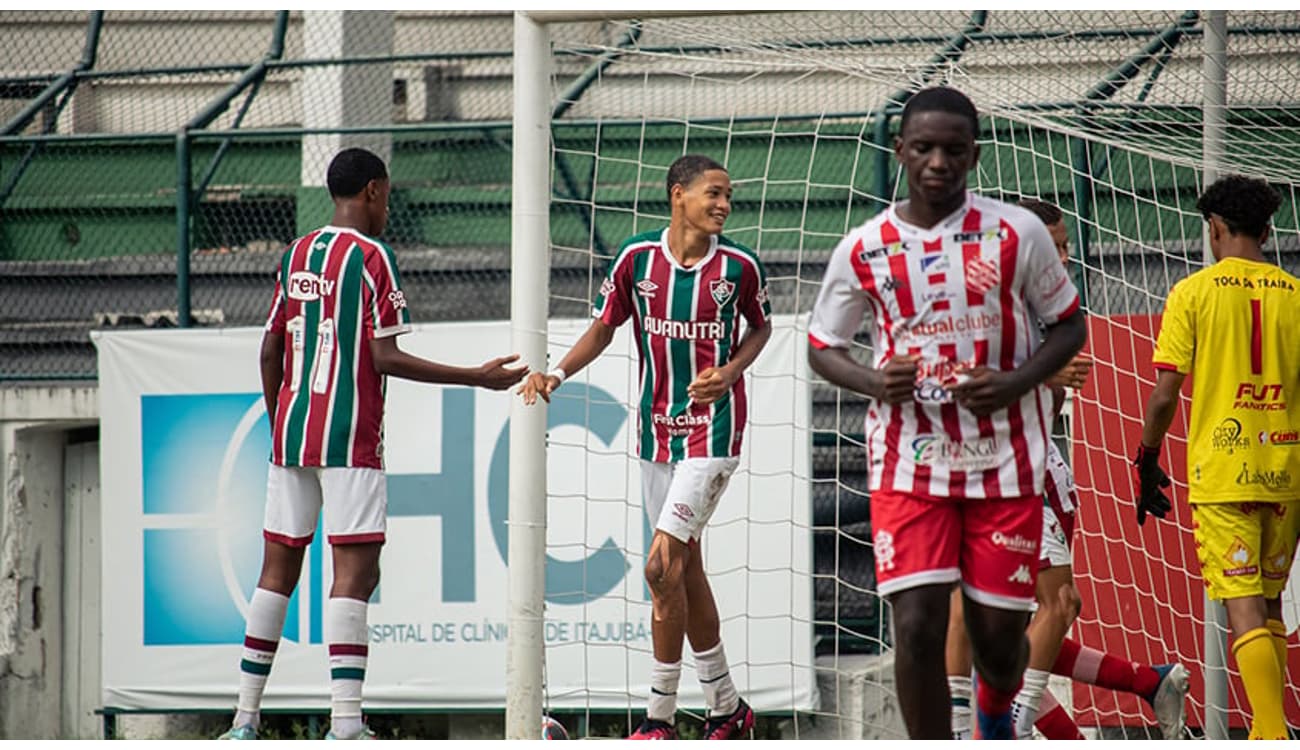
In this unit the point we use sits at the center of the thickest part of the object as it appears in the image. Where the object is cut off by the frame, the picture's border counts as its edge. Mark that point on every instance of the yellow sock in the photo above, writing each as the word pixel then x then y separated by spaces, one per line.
pixel 1262 678
pixel 1277 629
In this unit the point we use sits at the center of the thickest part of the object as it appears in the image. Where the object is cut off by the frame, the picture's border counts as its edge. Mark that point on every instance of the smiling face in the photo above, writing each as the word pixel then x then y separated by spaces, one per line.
pixel 937 149
pixel 705 203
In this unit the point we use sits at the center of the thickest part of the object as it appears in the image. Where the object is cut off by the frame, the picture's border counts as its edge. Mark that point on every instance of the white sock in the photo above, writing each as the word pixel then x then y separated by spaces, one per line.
pixel 261 639
pixel 1025 708
pixel 959 689
pixel 345 629
pixel 715 677
pixel 663 691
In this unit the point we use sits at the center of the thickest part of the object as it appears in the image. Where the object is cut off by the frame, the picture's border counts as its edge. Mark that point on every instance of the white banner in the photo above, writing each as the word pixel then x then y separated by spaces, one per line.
pixel 184 450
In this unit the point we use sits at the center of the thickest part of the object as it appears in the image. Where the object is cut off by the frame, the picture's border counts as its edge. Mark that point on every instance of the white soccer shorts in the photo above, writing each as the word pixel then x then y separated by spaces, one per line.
pixel 355 501
pixel 681 497
pixel 1054 551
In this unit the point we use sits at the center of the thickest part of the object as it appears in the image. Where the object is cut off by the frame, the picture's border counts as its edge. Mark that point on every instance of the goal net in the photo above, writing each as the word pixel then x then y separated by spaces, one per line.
pixel 1099 112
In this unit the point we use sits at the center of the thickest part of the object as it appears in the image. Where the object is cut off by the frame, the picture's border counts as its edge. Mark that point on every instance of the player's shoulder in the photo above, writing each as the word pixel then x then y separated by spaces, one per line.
pixel 648 238
pixel 637 243
pixel 867 235
pixel 728 245
pixel 1021 219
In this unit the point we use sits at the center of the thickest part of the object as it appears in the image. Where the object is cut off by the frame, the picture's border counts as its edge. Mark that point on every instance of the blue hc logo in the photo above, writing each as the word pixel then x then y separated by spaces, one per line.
pixel 204 490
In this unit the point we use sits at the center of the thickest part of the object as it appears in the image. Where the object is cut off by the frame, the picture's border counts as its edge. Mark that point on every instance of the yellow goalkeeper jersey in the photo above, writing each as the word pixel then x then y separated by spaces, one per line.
pixel 1236 325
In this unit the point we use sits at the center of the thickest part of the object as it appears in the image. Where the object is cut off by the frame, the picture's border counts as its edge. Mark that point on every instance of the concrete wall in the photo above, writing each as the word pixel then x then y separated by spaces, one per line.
pixel 36 628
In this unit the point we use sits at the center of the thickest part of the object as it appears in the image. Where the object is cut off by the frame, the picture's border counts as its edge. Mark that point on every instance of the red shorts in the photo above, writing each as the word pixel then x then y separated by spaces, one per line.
pixel 991 546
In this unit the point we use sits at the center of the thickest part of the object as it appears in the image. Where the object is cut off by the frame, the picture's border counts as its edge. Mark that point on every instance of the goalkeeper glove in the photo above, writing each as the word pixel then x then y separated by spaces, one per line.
pixel 1151 483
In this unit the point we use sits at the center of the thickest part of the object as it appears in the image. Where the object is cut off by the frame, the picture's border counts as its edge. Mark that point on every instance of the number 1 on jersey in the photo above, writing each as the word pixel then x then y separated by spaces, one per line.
pixel 1256 338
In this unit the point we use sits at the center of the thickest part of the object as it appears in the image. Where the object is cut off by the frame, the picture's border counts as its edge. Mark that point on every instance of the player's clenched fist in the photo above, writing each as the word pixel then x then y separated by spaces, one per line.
pixel 709 385
pixel 1074 374
pixel 898 379
pixel 495 375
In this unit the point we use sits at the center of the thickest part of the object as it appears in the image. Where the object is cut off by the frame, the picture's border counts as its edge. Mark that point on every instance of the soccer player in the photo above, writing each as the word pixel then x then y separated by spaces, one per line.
pixel 957 433
pixel 1236 324
pixel 330 341
pixel 687 287
pixel 1050 651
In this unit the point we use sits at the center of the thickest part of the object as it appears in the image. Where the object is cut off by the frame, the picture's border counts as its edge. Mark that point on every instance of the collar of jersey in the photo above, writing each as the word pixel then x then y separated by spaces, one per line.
pixel 663 248
pixel 940 228
pixel 336 230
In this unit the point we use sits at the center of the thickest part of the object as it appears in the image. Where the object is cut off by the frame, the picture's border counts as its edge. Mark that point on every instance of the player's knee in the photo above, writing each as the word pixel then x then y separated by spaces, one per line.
pixel 915 628
pixel 359 583
pixel 664 573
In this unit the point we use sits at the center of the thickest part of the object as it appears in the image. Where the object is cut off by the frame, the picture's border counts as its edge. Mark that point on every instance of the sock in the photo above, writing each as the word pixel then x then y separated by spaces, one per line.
pixel 261 638
pixel 715 678
pixel 1083 664
pixel 1054 721
pixel 1260 676
pixel 959 690
pixel 663 691
pixel 1025 707
pixel 345 629
pixel 1277 629
pixel 993 718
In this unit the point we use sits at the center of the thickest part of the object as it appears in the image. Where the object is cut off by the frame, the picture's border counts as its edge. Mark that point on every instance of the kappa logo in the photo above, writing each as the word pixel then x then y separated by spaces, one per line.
pixel 646 288
pixel 981 275
pixel 1021 576
pixel 721 290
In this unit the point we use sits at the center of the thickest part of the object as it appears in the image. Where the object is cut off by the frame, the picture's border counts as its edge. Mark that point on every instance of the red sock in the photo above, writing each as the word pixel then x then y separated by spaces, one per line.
pixel 992 702
pixel 1083 664
pixel 1053 720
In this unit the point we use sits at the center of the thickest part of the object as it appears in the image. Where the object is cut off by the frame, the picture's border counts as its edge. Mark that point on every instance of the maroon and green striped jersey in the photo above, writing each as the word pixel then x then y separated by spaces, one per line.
pixel 687 320
pixel 337 289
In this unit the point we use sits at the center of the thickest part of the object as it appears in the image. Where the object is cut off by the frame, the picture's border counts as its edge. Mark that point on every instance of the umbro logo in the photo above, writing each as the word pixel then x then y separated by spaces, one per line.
pixel 646 288
pixel 1021 576
pixel 683 511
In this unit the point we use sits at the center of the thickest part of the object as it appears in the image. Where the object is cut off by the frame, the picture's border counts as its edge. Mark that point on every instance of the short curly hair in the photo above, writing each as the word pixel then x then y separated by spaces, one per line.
pixel 1046 212
pixel 1245 204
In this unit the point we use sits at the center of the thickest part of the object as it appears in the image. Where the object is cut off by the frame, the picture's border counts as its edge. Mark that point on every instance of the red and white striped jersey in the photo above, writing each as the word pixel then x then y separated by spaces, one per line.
pixel 687 320
pixel 961 293
pixel 337 289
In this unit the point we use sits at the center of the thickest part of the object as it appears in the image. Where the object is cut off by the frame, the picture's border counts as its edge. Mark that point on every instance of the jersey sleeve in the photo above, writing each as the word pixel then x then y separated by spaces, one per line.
pixel 614 300
pixel 756 307
pixel 275 319
pixel 1176 342
pixel 841 303
pixel 386 311
pixel 1050 294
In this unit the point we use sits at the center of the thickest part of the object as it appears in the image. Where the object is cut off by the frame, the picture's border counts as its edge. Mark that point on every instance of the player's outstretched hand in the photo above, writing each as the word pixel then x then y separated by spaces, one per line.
pixel 538 384
pixel 1074 374
pixel 495 375
pixel 1152 480
pixel 898 379
pixel 709 386
pixel 983 390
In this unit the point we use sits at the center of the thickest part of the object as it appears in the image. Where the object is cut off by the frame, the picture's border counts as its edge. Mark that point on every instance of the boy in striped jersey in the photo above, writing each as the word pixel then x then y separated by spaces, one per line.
pixel 1050 650
pixel 687 286
pixel 957 432
pixel 338 301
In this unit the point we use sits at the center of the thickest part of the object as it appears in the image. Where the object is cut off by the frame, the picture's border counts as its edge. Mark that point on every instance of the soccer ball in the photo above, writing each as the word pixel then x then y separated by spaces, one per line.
pixel 553 730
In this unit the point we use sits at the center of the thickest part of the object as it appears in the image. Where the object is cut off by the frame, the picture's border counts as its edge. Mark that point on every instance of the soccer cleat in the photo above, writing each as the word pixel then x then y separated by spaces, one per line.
pixel 653 729
pixel 1169 700
pixel 734 726
pixel 364 734
pixel 242 732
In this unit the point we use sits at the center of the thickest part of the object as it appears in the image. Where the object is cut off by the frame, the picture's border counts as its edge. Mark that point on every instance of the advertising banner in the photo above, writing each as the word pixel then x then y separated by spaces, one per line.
pixel 184 448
